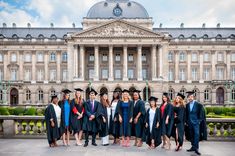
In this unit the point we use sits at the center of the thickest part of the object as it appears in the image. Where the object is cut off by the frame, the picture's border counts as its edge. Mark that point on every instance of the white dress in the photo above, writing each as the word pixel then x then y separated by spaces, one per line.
pixel 57 113
pixel 105 140
pixel 151 118
pixel 113 108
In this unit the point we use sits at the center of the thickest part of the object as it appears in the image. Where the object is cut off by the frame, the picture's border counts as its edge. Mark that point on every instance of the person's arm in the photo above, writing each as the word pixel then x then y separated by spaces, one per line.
pixel 87 112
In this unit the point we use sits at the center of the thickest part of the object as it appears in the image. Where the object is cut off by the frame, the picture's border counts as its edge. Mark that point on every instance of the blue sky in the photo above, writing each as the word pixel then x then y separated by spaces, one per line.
pixel 40 13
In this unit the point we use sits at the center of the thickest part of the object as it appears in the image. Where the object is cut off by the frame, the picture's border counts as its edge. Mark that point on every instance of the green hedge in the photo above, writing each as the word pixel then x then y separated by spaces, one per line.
pixel 32 111
pixel 229 111
pixel 4 111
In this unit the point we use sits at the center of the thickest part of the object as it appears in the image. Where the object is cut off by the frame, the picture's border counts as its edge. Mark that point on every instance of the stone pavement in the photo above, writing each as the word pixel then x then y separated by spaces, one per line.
pixel 39 147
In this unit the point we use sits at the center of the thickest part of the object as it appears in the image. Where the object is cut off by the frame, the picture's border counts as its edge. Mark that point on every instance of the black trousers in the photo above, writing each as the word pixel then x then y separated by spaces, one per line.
pixel 87 136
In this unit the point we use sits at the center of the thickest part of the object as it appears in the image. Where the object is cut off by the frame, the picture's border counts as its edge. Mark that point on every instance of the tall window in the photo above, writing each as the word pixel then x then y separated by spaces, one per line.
pixel 144 74
pixel 1 74
pixel 1 95
pixel 64 57
pixel 104 74
pixel 130 57
pixel 118 58
pixel 40 96
pixel 27 57
pixel 206 57
pixel 53 57
pixel 170 56
pixel 117 74
pixel 105 58
pixel 206 95
pixel 13 74
pixel 28 95
pixel 91 58
pixel 206 74
pixel 13 57
pixel 40 75
pixel 194 74
pixel 220 57
pixel 130 73
pixel 144 58
pixel 183 91
pixel 220 73
pixel 182 57
pixel 91 73
pixel 233 74
pixel 182 74
pixel 1 57
pixel 233 94
pixel 40 57
pixel 170 75
pixel 194 57
pixel 171 94
pixel 27 75
pixel 52 74
pixel 233 57
pixel 64 75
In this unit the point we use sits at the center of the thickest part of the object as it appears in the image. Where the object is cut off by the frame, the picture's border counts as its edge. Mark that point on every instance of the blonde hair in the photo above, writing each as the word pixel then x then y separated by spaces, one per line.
pixel 129 97
pixel 78 100
pixel 181 102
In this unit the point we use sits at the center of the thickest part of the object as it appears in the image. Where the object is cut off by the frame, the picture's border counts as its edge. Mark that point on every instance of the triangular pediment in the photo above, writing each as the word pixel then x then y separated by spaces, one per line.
pixel 117 28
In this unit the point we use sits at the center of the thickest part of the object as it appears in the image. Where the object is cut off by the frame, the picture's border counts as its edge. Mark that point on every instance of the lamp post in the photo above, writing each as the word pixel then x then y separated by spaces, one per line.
pixel 230 85
pixel 89 84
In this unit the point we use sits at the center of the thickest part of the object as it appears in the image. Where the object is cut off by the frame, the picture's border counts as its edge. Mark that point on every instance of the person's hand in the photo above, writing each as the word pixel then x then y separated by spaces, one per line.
pixel 52 124
pixel 136 120
pixel 92 116
pixel 131 120
pixel 146 125
pixel 167 121
pixel 157 125
pixel 120 119
pixel 104 120
pixel 115 119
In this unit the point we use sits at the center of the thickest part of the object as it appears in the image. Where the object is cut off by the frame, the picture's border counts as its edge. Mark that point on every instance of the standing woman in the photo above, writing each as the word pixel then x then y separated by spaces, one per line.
pixel 167 120
pixel 125 112
pixel 152 124
pixel 139 117
pixel 78 110
pixel 104 116
pixel 65 117
pixel 114 124
pixel 53 118
pixel 179 121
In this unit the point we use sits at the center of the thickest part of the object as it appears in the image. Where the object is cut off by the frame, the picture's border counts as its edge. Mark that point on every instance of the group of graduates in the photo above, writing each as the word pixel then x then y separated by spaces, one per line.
pixel 125 117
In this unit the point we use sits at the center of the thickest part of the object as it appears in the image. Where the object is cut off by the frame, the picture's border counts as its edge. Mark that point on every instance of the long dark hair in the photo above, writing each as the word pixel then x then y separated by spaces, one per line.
pixel 118 96
pixel 168 99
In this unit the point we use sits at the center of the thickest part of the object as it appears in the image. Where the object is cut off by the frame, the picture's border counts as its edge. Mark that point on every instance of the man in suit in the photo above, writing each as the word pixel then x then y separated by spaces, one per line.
pixel 89 122
pixel 194 116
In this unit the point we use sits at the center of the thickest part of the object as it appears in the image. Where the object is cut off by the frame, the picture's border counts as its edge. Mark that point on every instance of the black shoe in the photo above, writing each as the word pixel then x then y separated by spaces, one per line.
pixel 197 152
pixel 85 145
pixel 105 144
pixel 190 150
pixel 94 144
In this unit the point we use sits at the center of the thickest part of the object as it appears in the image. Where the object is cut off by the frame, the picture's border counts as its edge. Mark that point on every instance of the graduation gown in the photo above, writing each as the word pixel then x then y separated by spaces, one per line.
pixel 166 129
pixel 201 115
pixel 90 126
pixel 138 128
pixel 156 132
pixel 103 127
pixel 179 122
pixel 53 133
pixel 63 127
pixel 76 124
pixel 114 128
pixel 129 116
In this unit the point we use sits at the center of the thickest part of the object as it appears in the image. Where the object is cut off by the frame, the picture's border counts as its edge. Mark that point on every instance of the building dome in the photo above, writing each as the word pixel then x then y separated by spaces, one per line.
pixel 117 9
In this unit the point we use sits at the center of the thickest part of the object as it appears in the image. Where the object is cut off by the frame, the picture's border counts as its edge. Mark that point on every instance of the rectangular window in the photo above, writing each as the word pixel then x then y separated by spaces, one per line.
pixel 144 74
pixel 1 57
pixel 1 74
pixel 27 75
pixel 233 74
pixel 117 74
pixel 233 57
pixel 13 57
pixel 104 74
pixel 206 74
pixel 91 58
pixel 52 75
pixel 118 57
pixel 130 57
pixel 27 58
pixel 220 57
pixel 130 73
pixel 170 75
pixel 105 57
pixel 206 57
pixel 144 58
pixel 65 75
pixel 13 75
pixel 220 73
pixel 194 57
pixel 194 74
pixel 40 75
pixel 91 73
pixel 182 75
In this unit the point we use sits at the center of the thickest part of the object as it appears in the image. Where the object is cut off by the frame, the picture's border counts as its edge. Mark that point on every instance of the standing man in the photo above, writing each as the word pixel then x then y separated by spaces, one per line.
pixel 89 122
pixel 195 122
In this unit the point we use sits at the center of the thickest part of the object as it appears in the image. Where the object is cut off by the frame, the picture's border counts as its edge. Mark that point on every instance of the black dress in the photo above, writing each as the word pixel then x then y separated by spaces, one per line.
pixel 114 128
pixel 138 128
pixel 179 122
pixel 103 127
pixel 76 124
pixel 166 129
pixel 53 133
pixel 156 132
pixel 125 127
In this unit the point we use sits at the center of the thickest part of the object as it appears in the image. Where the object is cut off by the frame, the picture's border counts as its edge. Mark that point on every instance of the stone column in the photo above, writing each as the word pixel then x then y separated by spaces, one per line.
pixel 82 60
pixel 21 70
pixel 110 63
pixel 46 66
pixel 228 65
pixel 125 63
pixel 34 70
pixel 139 64
pixel 160 61
pixel 5 63
pixel 201 66
pixel 154 63
pixel 75 57
pixel 96 67
pixel 58 68
pixel 176 66
pixel 189 71
pixel 70 64
pixel 213 68
pixel 165 64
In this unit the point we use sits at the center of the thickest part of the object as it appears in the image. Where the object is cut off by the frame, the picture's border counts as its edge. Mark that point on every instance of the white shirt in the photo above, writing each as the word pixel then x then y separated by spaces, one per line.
pixel 113 108
pixel 108 113
pixel 57 113
pixel 151 118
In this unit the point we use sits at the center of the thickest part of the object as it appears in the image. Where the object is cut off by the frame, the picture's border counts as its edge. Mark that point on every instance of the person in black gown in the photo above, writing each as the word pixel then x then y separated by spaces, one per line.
pixel 152 124
pixel 104 117
pixel 139 117
pixel 167 120
pixel 114 124
pixel 196 128
pixel 125 111
pixel 89 121
pixel 77 105
pixel 65 106
pixel 179 121
pixel 53 120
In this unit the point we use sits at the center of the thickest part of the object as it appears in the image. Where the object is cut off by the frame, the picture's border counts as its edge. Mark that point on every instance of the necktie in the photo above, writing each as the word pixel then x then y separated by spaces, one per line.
pixel 92 108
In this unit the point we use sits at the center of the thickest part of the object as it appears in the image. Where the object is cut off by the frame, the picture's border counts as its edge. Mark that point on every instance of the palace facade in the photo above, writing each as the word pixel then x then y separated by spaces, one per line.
pixel 117 47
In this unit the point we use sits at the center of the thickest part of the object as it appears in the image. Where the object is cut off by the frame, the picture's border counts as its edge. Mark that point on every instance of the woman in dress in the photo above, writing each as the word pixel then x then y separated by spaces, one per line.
pixel 125 111
pixel 152 124
pixel 78 110
pixel 167 120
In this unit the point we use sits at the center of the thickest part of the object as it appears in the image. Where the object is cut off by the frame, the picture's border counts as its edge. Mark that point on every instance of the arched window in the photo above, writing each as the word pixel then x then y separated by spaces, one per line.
pixel 2 36
pixel 64 57
pixel 40 37
pixel 197 94
pixel 28 37
pixel 28 95
pixel 171 94
pixel 207 95
pixel 131 91
pixel 193 37
pixel 40 96
pixel 218 37
pixel 181 36
pixel 232 36
pixel 183 91
pixel 52 57
pixel 53 37
pixel 205 37
pixel 103 90
pixel 146 94
pixel 233 95
pixel 65 36
pixel 170 56
pixel 182 57
pixel 15 37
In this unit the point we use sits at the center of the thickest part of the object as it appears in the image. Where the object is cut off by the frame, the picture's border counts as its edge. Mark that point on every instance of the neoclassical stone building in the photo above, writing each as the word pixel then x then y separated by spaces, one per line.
pixel 117 47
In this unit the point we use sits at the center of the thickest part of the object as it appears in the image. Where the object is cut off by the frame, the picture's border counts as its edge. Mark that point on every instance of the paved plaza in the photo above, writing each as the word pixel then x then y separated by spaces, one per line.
pixel 39 147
